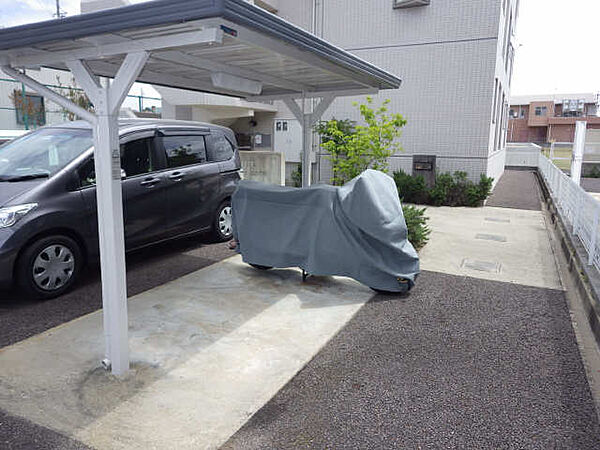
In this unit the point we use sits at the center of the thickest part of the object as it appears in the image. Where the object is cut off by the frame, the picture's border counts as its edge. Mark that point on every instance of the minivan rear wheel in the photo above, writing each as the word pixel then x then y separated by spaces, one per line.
pixel 222 222
pixel 49 267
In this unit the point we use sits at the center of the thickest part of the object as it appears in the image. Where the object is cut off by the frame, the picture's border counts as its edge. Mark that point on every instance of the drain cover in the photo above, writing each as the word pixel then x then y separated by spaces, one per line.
pixel 497 219
pixel 481 266
pixel 491 237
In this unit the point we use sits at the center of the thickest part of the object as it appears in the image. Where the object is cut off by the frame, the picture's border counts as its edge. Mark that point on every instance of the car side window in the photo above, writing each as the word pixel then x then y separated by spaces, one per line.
pixel 184 150
pixel 136 159
pixel 220 148
pixel 87 174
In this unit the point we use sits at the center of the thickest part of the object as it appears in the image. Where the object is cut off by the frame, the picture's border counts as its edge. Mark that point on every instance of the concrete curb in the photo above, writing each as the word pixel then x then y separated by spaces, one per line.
pixel 586 278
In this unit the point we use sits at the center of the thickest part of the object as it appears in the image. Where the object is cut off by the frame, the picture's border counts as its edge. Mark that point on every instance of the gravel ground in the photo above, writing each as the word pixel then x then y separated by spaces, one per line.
pixel 20 434
pixel 459 363
pixel 20 319
pixel 516 189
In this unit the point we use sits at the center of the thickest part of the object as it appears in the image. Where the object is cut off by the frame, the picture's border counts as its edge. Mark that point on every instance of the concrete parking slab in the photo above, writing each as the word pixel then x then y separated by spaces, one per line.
pixel 208 350
pixel 514 242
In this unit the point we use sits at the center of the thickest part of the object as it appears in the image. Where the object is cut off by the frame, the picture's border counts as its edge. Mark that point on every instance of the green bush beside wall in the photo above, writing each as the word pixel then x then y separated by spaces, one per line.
pixel 449 190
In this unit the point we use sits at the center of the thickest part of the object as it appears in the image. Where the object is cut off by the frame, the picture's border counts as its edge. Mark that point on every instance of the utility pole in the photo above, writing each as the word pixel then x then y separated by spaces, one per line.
pixel 59 14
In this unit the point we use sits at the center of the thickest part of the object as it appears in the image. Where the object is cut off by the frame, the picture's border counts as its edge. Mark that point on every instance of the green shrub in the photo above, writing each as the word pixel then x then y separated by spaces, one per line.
pixel 411 189
pixel 416 222
pixel 449 190
pixel 594 173
pixel 296 176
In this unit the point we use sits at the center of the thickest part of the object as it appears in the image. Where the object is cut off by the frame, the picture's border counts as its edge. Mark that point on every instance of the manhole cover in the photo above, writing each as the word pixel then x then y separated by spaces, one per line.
pixel 497 219
pixel 491 237
pixel 481 266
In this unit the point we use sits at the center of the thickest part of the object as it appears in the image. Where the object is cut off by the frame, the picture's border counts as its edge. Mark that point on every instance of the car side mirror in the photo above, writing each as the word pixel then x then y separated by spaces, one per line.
pixel 123 174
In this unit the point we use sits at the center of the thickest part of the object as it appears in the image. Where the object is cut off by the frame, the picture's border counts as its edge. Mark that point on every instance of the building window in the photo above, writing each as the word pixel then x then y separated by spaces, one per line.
pixel 494 106
pixel 541 111
pixel 30 110
pixel 522 115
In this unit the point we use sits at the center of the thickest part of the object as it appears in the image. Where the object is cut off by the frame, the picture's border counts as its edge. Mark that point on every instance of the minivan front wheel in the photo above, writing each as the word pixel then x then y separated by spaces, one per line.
pixel 223 223
pixel 49 267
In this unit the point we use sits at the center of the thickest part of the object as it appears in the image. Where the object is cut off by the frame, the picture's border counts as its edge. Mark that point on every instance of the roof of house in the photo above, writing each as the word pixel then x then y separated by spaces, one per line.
pixel 589 97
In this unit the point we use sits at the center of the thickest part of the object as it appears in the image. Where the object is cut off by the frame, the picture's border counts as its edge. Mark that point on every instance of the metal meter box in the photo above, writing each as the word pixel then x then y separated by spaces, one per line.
pixel 424 165
pixel 410 3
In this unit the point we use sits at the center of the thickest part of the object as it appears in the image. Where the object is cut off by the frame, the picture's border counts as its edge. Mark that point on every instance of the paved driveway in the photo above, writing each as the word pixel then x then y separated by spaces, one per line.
pixel 148 268
pixel 20 319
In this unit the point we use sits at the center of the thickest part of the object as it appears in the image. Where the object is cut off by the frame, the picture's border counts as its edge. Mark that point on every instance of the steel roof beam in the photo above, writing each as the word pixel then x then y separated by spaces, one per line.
pixel 314 94
pixel 208 36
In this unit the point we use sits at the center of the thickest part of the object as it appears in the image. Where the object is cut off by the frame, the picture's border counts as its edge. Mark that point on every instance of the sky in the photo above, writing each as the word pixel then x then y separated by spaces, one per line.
pixel 557 44
pixel 557 41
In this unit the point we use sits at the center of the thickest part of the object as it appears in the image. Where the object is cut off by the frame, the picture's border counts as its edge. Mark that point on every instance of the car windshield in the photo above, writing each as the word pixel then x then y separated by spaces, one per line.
pixel 42 153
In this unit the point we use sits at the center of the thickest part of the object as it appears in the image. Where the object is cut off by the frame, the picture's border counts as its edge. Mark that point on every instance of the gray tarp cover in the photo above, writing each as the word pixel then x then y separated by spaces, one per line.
pixel 356 230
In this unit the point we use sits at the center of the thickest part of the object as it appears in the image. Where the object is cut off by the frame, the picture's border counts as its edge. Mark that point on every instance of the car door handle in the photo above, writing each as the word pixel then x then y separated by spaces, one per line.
pixel 176 176
pixel 150 181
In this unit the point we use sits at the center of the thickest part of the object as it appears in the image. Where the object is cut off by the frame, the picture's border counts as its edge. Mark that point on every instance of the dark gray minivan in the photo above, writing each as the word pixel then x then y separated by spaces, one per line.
pixel 178 178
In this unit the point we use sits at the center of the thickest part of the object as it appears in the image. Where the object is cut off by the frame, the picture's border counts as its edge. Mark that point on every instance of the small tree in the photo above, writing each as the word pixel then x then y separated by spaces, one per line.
pixel 76 96
pixel 355 148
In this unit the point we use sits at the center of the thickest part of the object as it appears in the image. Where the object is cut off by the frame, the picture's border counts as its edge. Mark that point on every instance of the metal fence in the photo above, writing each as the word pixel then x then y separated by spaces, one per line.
pixel 579 210
pixel 522 155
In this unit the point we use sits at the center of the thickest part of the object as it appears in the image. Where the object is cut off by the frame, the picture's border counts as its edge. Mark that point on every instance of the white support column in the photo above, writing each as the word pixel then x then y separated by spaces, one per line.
pixel 107 164
pixel 107 101
pixel 578 149
pixel 307 122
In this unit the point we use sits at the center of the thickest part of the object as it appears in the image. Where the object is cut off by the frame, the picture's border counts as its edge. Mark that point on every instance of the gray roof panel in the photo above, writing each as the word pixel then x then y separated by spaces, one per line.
pixel 159 16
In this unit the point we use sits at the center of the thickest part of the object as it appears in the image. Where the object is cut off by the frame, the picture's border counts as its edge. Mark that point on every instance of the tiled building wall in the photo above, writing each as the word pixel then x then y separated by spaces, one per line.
pixel 445 54
pixel 448 55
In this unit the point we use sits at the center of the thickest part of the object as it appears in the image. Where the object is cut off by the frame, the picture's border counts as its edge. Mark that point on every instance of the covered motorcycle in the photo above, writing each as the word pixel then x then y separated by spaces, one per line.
pixel 356 230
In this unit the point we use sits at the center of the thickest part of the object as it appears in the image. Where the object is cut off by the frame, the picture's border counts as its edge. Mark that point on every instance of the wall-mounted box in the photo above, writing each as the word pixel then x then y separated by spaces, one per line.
pixel 425 166
pixel 410 3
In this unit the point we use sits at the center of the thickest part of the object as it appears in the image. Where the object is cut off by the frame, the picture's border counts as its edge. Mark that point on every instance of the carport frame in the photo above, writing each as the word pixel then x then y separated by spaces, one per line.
pixel 107 100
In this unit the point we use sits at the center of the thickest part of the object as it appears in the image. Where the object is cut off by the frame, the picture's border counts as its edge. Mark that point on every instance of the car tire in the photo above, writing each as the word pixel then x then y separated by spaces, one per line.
pixel 384 292
pixel 49 267
pixel 222 224
pixel 259 267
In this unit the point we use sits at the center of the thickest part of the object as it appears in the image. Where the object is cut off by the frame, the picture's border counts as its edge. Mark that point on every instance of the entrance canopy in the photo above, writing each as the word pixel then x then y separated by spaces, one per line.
pixel 221 46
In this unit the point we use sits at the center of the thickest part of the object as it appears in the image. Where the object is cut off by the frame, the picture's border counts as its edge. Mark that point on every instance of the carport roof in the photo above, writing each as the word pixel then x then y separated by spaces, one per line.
pixel 222 46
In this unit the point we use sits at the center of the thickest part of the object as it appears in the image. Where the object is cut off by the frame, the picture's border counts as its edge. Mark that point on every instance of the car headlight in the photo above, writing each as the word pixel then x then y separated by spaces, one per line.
pixel 10 215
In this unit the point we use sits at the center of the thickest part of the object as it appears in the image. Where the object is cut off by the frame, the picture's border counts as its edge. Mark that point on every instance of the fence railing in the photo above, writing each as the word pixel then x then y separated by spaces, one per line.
pixel 579 210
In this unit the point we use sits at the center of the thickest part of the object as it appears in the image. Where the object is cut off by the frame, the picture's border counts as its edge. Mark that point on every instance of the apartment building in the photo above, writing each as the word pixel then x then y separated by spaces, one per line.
pixel 546 118
pixel 455 60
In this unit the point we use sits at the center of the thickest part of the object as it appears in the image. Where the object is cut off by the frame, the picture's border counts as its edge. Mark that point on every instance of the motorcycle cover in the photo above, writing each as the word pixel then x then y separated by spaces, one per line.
pixel 356 230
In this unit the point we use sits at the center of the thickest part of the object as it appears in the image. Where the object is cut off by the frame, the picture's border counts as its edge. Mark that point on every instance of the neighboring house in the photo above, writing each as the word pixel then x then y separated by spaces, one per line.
pixel 23 109
pixel 30 110
pixel 546 118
